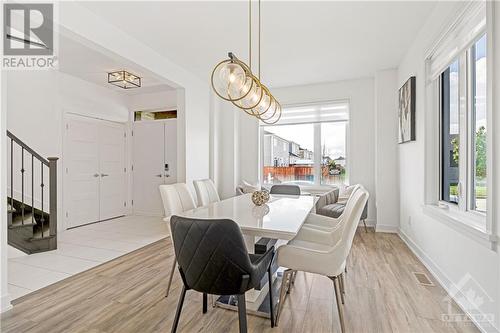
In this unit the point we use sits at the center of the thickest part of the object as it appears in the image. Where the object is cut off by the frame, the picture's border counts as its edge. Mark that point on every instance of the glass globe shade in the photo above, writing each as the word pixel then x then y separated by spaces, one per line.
pixel 264 104
pixel 229 79
pixel 253 98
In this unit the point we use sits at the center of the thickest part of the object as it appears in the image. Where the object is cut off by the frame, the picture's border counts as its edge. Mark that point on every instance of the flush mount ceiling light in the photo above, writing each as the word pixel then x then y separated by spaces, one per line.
pixel 233 81
pixel 124 79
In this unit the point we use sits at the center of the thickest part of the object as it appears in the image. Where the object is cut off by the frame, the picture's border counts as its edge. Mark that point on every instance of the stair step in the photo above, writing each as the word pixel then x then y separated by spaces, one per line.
pixel 38 237
pixel 17 221
pixel 25 225
pixel 37 232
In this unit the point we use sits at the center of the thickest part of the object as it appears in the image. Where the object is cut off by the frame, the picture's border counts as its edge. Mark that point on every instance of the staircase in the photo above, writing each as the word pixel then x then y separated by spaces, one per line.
pixel 32 205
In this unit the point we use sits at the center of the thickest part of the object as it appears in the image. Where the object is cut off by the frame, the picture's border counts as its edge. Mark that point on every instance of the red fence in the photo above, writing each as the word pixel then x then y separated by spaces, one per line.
pixel 293 171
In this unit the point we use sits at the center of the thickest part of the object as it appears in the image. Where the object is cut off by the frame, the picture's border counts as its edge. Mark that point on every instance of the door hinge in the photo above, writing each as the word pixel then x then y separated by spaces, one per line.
pixel 124 204
pixel 132 202
pixel 67 126
pixel 132 167
pixel 66 170
pixel 125 134
pixel 132 133
pixel 66 214
pixel 124 169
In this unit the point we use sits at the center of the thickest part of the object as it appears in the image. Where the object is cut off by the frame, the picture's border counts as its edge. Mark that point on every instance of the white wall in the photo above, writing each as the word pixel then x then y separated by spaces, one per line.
pixel 361 149
pixel 386 151
pixel 162 100
pixel 449 253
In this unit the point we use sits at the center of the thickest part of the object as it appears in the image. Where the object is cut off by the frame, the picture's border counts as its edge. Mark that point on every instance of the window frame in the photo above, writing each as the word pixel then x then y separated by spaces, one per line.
pixel 316 140
pixel 477 225
pixel 466 158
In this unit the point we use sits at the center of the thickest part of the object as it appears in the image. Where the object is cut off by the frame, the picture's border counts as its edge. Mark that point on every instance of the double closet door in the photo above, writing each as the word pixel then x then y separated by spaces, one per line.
pixel 154 163
pixel 94 166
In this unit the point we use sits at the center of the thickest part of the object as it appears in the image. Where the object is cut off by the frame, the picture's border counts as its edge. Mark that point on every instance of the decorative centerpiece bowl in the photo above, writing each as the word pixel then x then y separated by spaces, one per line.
pixel 260 197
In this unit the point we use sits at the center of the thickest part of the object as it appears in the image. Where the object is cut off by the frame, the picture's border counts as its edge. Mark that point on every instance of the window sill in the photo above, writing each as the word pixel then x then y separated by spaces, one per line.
pixel 466 223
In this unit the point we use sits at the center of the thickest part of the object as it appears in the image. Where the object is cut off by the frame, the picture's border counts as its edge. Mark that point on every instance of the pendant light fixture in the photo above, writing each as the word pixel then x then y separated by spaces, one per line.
pixel 233 81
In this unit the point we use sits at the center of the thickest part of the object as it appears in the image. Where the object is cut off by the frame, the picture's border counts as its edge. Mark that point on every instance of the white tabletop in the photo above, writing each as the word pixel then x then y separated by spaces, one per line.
pixel 280 218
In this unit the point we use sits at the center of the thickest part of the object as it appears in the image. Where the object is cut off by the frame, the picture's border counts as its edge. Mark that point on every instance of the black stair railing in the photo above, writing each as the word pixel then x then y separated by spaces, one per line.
pixel 49 164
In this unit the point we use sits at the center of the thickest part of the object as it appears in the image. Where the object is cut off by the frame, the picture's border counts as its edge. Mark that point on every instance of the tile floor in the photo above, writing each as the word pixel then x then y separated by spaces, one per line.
pixel 81 249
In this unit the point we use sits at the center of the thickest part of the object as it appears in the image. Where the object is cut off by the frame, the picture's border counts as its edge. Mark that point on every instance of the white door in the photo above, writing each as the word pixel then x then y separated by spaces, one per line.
pixel 94 162
pixel 81 162
pixel 154 164
pixel 112 170
pixel 148 167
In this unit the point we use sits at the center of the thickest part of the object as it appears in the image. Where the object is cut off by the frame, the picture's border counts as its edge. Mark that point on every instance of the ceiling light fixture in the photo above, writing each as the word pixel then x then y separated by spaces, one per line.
pixel 233 81
pixel 124 79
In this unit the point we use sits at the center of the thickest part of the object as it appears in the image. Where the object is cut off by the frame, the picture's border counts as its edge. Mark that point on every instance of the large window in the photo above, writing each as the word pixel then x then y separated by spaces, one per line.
pixel 463 130
pixel 308 146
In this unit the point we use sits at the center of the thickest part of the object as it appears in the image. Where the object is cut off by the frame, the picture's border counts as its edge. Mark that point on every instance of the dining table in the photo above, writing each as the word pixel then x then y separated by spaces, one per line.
pixel 276 221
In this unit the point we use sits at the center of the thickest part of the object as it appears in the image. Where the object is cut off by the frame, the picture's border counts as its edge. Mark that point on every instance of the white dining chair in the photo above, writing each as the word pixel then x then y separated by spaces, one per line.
pixel 176 199
pixel 206 192
pixel 322 252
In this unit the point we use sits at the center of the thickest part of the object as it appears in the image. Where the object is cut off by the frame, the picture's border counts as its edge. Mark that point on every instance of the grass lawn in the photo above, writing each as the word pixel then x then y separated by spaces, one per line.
pixel 480 191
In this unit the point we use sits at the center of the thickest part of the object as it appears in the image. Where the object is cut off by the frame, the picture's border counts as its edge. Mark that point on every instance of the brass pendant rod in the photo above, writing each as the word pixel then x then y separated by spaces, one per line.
pixel 259 39
pixel 250 34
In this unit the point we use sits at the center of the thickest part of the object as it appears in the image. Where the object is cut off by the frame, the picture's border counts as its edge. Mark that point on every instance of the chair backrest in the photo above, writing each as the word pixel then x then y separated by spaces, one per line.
pixel 353 211
pixel 176 198
pixel 285 189
pixel 205 192
pixel 211 254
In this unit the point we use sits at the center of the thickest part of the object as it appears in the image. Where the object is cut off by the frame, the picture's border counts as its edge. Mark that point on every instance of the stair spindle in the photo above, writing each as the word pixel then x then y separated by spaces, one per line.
pixel 42 220
pixel 32 189
pixel 22 185
pixel 12 173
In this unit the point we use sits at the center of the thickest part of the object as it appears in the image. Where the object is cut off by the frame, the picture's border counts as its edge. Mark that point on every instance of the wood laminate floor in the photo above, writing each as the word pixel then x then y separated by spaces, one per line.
pixel 127 295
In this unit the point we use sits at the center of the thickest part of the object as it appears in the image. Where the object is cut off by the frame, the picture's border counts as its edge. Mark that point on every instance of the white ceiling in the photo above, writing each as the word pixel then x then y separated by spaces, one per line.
pixel 302 41
pixel 92 65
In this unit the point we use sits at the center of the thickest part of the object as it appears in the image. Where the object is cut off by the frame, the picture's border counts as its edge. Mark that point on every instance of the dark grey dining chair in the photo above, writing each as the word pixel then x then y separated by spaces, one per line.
pixel 285 189
pixel 213 259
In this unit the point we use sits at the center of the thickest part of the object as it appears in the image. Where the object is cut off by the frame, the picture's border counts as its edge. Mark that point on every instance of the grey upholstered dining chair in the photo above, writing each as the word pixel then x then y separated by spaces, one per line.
pixel 285 189
pixel 213 260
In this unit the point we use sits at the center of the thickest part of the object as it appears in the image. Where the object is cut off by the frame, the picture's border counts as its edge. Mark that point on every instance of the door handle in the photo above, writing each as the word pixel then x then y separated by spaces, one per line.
pixel 104 175
pixel 96 175
pixel 166 175
pixel 159 176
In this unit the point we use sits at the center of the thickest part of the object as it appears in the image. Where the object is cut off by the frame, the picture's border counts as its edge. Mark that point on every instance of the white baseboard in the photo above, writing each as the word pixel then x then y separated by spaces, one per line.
pixel 5 303
pixel 451 289
pixel 386 228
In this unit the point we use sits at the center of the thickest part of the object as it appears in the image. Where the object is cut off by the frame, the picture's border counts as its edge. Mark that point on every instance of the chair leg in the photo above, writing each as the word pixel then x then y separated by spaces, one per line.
pixel 271 307
pixel 242 313
pixel 205 302
pixel 339 304
pixel 179 309
pixel 342 288
pixel 291 281
pixel 364 222
pixel 283 289
pixel 171 276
